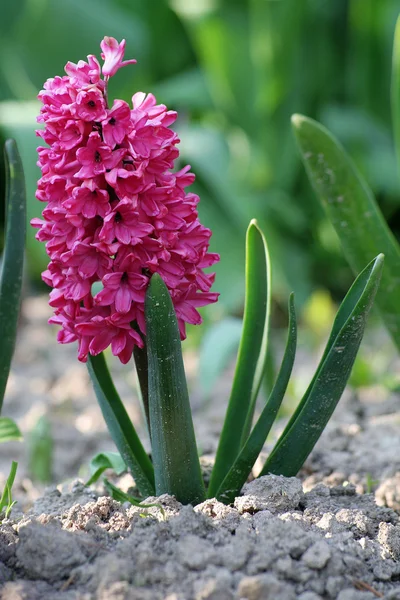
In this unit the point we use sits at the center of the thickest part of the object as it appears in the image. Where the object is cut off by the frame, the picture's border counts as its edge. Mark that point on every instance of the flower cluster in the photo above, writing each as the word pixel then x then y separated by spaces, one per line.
pixel 116 212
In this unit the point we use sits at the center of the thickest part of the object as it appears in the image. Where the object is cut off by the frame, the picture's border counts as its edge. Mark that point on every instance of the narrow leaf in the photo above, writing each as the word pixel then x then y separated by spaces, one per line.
pixel 316 407
pixel 176 463
pixel 247 374
pixel 9 430
pixel 103 461
pixel 395 89
pixel 6 497
pixel 353 212
pixel 12 260
pixel 120 426
pixel 121 496
pixel 241 468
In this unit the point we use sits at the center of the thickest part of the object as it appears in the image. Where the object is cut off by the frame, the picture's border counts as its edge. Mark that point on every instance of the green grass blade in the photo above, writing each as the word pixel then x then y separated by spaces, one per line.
pixel 12 261
pixel 316 407
pixel 176 463
pixel 247 374
pixel 395 90
pixel 262 366
pixel 241 468
pixel 353 212
pixel 9 430
pixel 120 426
pixel 6 497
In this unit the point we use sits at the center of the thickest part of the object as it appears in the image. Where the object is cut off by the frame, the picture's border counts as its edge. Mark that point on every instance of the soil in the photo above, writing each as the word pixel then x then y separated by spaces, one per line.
pixel 333 532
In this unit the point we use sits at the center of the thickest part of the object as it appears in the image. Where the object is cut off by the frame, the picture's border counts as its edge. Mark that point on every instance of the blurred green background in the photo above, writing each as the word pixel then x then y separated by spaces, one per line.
pixel 235 70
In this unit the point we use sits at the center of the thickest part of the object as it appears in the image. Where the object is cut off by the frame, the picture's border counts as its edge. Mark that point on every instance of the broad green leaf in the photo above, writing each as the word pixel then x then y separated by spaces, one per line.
pixel 239 472
pixel 176 463
pixel 395 89
pixel 120 426
pixel 324 392
pixel 220 343
pixel 9 430
pixel 103 461
pixel 247 373
pixel 6 501
pixel 353 212
pixel 12 260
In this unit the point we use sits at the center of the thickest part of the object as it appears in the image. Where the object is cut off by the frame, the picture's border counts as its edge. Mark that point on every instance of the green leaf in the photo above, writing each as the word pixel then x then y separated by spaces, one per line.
pixel 41 446
pixel 120 426
pixel 103 461
pixel 176 463
pixel 121 496
pixel 324 392
pixel 9 430
pixel 12 262
pixel 6 501
pixel 353 212
pixel 219 344
pixel 248 373
pixel 239 472
pixel 395 89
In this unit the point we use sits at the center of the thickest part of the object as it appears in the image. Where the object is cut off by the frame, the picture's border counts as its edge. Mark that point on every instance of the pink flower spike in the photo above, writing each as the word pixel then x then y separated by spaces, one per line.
pixel 112 54
pixel 117 123
pixel 91 105
pixel 97 157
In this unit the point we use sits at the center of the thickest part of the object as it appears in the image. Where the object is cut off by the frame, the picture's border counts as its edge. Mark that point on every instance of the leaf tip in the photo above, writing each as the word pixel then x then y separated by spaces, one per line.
pixel 298 120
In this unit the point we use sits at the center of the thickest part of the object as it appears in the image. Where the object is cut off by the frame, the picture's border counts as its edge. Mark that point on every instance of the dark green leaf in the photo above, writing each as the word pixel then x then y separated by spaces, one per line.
pixel 120 426
pixel 317 405
pixel 12 261
pixel 252 346
pixel 241 468
pixel 353 211
pixel 176 463
pixel 395 91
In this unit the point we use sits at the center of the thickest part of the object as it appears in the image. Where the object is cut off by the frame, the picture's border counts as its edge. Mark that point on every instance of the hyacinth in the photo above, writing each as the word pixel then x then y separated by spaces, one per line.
pixel 116 211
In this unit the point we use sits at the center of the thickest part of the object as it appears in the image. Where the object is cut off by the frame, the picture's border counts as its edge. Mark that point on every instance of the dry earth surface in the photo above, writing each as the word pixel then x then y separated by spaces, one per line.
pixel 313 537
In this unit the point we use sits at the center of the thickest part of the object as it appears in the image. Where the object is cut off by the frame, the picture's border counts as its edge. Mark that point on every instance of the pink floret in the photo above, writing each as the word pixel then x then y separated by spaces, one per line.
pixel 115 212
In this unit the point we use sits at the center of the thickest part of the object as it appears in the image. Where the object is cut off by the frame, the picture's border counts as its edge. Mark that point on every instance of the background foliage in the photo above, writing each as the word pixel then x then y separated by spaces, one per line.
pixel 235 70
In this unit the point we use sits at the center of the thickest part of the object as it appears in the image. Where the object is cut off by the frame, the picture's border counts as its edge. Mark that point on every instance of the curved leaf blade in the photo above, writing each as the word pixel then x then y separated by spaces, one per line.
pixel 9 431
pixel 352 209
pixel 176 463
pixel 239 472
pixel 248 375
pixel 103 461
pixel 13 260
pixel 317 405
pixel 120 426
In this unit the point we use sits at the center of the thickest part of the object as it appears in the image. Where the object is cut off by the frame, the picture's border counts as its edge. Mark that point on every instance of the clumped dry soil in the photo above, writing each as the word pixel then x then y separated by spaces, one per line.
pixel 333 532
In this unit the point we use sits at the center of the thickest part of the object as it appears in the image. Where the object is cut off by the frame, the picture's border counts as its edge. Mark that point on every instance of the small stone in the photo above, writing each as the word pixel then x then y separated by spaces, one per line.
pixel 274 492
pixel 317 556
pixel 389 537
pixel 264 587
pixel 309 596
pixel 215 588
